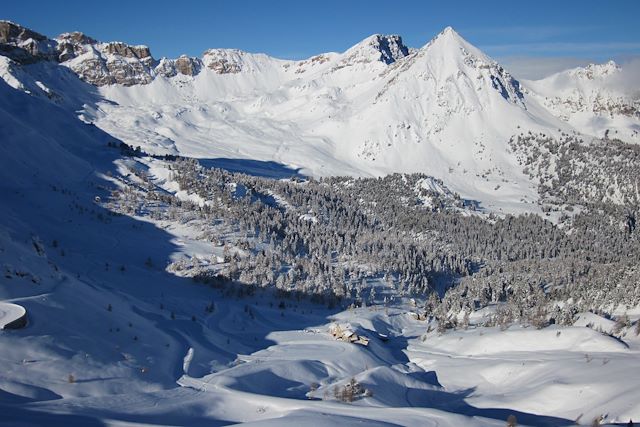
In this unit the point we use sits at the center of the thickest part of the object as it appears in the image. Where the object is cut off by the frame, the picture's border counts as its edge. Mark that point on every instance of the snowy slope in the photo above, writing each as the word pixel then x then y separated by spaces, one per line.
pixel 367 112
pixel 114 338
pixel 109 331
pixel 445 109
pixel 600 99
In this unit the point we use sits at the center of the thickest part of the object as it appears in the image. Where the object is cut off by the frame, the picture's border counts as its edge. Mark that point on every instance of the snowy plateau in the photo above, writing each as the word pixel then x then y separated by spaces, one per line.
pixel 384 236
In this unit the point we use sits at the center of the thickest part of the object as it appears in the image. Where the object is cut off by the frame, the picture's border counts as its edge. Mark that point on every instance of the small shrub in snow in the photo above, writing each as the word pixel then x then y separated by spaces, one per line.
pixel 350 391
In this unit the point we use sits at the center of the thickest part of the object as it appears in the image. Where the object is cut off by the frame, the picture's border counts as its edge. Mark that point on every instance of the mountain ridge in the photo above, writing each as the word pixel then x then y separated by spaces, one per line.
pixel 176 267
pixel 446 108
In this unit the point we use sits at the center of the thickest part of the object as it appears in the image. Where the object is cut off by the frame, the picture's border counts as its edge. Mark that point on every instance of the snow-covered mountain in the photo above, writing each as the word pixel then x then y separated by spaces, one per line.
pixel 599 99
pixel 445 109
pixel 119 259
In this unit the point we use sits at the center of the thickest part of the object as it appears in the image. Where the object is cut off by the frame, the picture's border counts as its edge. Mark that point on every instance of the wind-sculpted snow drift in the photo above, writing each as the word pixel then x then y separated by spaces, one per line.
pixel 179 236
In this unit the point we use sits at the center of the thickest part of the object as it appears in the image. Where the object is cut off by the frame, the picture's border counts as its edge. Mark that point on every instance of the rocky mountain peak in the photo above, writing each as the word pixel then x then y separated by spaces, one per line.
pixel 24 45
pixel 11 32
pixel 391 47
pixel 449 55
pixel 376 48
pixel 184 65
pixel 449 32
pixel 72 44
pixel 449 39
pixel 128 51
pixel 596 71
pixel 76 37
pixel 223 61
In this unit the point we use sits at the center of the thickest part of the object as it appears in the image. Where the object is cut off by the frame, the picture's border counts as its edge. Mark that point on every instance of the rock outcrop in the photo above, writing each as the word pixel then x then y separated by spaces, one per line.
pixel 185 65
pixel 106 63
pixel 71 45
pixel 97 63
pixel 24 45
pixel 386 49
pixel 223 61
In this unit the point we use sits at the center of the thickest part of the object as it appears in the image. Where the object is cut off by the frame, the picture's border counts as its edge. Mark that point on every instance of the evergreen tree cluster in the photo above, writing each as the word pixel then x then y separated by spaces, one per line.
pixel 334 237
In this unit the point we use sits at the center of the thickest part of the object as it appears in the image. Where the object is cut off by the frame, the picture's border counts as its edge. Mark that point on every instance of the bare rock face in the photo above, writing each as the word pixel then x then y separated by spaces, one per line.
pixel 129 73
pixel 23 45
pixel 184 65
pixel 223 66
pixel 391 48
pixel 96 63
pixel 108 63
pixel 127 65
pixel 223 61
pixel 378 48
pixel 93 70
pixel 127 51
pixel 100 70
pixel 105 63
pixel 14 33
pixel 188 66
pixel 73 44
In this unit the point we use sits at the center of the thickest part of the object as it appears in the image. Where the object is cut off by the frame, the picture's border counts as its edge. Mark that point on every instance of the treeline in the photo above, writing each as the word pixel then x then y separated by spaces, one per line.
pixel 340 238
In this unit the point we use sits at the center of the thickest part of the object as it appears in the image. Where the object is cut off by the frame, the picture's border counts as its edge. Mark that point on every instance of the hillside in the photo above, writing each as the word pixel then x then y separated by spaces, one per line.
pixel 445 109
pixel 186 235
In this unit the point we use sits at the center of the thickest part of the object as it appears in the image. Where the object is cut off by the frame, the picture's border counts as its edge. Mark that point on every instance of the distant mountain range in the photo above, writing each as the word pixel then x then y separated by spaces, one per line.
pixel 445 109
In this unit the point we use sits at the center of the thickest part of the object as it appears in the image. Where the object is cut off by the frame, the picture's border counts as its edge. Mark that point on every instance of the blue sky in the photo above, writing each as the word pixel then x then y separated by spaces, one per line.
pixel 551 32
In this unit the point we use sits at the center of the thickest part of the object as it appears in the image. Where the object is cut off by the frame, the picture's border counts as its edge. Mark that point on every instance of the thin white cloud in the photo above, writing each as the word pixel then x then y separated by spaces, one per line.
pixel 534 68
pixel 628 79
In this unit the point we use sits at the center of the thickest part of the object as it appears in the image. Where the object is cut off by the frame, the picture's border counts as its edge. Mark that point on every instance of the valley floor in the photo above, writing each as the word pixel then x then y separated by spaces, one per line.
pixel 122 342
pixel 103 230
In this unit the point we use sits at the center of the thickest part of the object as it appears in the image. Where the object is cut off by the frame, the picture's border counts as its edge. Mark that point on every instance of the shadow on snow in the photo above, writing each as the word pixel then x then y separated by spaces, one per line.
pixel 173 306
pixel 264 169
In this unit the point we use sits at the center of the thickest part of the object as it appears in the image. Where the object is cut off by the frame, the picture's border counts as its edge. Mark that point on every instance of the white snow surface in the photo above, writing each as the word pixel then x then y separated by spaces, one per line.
pixel 432 111
pixel 446 110
pixel 111 337
pixel 600 99
pixel 10 313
